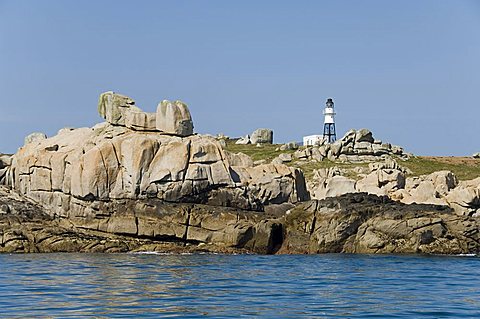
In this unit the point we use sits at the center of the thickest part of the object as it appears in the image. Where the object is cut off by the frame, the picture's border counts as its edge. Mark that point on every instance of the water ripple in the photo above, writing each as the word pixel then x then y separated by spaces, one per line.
pixel 241 286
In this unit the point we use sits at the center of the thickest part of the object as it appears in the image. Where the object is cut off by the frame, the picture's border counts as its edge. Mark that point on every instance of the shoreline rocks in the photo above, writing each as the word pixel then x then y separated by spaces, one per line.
pixel 351 223
pixel 361 223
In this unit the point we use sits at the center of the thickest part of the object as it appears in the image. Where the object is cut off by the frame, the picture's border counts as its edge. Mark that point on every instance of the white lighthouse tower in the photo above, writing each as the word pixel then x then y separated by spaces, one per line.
pixel 329 134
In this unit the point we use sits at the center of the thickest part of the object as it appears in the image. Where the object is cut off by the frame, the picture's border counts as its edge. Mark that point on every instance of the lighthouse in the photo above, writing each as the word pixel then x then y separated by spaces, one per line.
pixel 329 134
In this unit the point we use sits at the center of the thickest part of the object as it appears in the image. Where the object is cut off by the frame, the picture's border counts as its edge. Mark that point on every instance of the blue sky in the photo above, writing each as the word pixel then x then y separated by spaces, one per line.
pixel 407 70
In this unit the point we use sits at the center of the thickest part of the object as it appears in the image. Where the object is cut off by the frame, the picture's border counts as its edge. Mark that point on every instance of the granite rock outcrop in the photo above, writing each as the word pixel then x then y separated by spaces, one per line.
pixel 361 223
pixel 354 147
pixel 112 161
pixel 390 179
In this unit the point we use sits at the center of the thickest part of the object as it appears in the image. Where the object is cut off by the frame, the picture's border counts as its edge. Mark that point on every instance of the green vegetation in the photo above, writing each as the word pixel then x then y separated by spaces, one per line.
pixel 464 168
pixel 265 152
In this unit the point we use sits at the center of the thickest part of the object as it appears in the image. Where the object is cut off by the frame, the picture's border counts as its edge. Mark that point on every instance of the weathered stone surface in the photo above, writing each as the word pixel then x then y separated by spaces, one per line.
pixel 465 198
pixel 352 223
pixel 382 182
pixel 360 223
pixel 140 121
pixel 174 118
pixel 335 186
pixel 5 160
pixel 388 178
pixel 364 135
pixel 289 146
pixel 113 107
pixel 35 138
pixel 113 162
pixel 239 159
pixel 354 147
pixel 132 225
pixel 285 157
pixel 262 136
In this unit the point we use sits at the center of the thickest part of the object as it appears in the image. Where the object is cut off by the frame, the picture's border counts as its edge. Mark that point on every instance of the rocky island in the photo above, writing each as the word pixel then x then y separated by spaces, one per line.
pixel 146 182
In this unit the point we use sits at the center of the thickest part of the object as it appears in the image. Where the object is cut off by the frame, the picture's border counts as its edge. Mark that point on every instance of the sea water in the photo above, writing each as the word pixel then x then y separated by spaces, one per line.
pixel 234 286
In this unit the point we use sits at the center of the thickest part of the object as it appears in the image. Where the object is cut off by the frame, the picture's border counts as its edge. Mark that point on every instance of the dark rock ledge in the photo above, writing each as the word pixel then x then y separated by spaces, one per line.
pixel 353 223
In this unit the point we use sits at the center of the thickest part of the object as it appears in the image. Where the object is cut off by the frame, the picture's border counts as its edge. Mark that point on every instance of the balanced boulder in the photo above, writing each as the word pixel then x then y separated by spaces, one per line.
pixel 113 107
pixel 174 118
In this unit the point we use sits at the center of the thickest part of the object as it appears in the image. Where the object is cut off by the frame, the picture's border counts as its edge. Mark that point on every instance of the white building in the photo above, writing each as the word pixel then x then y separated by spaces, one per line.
pixel 311 140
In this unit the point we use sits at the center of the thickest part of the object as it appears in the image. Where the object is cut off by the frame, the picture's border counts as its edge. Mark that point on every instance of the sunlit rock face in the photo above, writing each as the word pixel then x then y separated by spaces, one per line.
pixel 135 155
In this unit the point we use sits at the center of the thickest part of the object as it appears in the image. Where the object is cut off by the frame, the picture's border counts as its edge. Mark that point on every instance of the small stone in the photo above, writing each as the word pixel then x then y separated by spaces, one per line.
pixel 285 157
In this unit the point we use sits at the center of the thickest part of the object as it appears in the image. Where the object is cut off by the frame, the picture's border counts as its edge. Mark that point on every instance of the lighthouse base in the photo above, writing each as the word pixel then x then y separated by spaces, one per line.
pixel 329 133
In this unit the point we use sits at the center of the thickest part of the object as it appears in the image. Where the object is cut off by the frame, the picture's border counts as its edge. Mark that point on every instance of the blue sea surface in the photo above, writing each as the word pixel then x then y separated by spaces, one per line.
pixel 234 286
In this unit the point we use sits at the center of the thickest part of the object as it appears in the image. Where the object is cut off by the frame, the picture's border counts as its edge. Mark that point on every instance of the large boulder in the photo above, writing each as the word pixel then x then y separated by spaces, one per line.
pixel 382 181
pixel 113 107
pixel 289 146
pixel 174 118
pixel 465 198
pixel 262 136
pixel 335 186
pixel 355 147
pixel 364 135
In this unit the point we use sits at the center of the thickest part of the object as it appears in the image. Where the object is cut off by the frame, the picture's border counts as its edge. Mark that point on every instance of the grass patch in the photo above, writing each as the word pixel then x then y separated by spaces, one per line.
pixel 464 168
pixel 265 152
